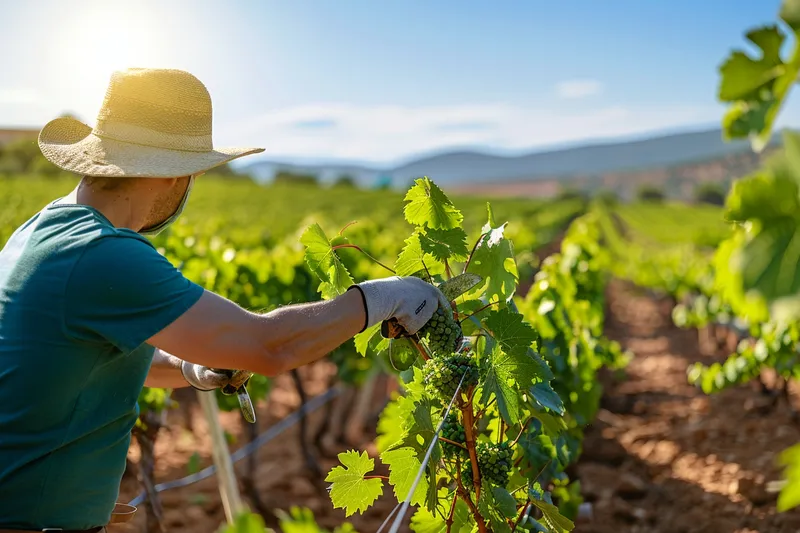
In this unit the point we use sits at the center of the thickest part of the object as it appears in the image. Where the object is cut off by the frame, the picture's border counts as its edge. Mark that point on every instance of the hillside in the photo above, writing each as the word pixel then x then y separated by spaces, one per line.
pixel 480 169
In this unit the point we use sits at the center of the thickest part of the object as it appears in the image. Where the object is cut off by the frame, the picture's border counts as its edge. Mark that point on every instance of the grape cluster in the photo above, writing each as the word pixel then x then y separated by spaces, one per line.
pixel 442 374
pixel 442 332
pixel 494 462
pixel 454 431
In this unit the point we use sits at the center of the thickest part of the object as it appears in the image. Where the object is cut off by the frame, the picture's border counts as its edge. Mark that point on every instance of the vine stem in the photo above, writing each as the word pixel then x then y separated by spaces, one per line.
pixel 469 259
pixel 452 513
pixel 377 477
pixel 519 518
pixel 355 247
pixel 448 441
pixel 464 495
pixel 485 407
pixel 521 431
pixel 469 422
pixel 478 311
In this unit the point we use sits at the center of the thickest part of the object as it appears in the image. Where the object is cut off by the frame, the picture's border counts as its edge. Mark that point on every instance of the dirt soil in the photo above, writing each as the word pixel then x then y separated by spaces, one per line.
pixel 664 457
pixel 661 457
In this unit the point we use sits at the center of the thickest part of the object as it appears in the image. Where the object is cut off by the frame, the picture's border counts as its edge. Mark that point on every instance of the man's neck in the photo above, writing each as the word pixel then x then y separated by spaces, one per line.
pixel 113 205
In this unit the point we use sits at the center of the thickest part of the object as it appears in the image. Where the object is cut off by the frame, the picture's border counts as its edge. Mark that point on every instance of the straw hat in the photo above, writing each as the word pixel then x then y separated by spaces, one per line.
pixel 153 123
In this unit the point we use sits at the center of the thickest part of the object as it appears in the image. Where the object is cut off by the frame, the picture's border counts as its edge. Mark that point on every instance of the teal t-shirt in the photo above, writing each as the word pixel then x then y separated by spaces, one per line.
pixel 78 300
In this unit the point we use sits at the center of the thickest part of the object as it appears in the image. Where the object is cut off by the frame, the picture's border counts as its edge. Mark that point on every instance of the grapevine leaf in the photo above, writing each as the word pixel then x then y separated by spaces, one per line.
pixel 741 75
pixel 498 382
pixel 424 521
pixel 494 261
pixel 450 244
pixel 505 502
pixel 763 197
pixel 489 509
pixel 395 417
pixel 790 14
pixel 429 206
pixel 769 266
pixel 349 489
pixel 403 465
pixel 323 261
pixel 362 340
pixel 545 396
pixel 555 521
pixel 511 331
pixel 413 259
pixel 789 496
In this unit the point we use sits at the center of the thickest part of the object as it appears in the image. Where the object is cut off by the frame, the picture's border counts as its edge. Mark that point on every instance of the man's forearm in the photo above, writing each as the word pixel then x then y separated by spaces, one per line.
pixel 165 372
pixel 218 333
pixel 301 334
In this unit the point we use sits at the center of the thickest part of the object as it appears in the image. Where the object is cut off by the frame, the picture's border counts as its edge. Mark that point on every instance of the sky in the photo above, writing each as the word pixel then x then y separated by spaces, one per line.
pixel 383 81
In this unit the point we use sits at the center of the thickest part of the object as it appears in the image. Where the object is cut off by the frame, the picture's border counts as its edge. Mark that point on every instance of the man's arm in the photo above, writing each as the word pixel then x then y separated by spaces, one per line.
pixel 217 333
pixel 165 372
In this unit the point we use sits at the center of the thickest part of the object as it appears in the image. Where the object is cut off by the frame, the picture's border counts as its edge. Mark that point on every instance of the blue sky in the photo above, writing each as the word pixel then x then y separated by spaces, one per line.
pixel 380 81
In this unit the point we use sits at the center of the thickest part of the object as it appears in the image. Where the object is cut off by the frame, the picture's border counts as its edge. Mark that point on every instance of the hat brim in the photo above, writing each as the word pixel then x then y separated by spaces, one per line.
pixel 70 145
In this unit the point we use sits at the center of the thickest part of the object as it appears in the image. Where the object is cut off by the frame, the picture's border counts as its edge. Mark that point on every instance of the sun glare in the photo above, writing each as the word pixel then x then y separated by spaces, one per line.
pixel 114 36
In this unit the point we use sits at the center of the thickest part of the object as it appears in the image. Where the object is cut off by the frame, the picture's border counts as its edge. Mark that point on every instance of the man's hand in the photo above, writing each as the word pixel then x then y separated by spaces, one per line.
pixel 410 300
pixel 204 378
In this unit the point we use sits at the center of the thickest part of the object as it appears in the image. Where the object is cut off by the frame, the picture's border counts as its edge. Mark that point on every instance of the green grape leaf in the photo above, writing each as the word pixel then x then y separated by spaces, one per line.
pixel 789 496
pixel 490 510
pixel 506 503
pixel 325 263
pixel 790 14
pixel 246 522
pixel 363 339
pixel 349 489
pixel 742 75
pixel 763 197
pixel 494 261
pixel 413 259
pixel 545 396
pixel 507 375
pixel 555 521
pixel 429 206
pixel 768 265
pixel 404 463
pixel 424 521
pixel 395 417
pixel 511 331
pixel 449 244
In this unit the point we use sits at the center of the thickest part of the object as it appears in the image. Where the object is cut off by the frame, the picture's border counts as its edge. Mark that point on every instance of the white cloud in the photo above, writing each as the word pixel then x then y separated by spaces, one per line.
pixel 18 96
pixel 574 89
pixel 386 133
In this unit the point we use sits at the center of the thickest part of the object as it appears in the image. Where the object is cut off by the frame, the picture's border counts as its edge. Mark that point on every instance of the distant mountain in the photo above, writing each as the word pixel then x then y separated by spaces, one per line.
pixel 465 167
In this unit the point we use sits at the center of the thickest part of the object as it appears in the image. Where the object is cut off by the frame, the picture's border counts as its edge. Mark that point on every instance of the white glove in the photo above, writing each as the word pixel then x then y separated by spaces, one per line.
pixel 410 300
pixel 205 378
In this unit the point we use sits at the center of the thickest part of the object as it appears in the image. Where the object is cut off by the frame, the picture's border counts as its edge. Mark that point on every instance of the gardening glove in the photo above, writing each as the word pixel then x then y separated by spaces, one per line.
pixel 411 301
pixel 205 378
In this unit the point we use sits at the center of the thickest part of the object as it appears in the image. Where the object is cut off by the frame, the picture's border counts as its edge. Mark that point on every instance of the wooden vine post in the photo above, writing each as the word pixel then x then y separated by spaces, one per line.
pixel 226 477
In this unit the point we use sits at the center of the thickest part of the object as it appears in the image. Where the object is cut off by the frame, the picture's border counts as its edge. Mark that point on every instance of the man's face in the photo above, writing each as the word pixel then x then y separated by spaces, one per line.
pixel 167 202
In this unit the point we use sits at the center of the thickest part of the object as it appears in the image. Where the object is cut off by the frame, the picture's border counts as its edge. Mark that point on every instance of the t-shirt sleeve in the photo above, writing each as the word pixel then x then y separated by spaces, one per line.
pixel 123 291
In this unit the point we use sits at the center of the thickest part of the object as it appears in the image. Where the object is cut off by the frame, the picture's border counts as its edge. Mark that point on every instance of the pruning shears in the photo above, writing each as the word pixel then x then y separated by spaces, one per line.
pixel 238 386
pixel 451 288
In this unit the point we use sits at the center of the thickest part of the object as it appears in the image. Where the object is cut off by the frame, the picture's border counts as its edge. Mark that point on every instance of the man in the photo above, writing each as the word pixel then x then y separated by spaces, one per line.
pixel 90 312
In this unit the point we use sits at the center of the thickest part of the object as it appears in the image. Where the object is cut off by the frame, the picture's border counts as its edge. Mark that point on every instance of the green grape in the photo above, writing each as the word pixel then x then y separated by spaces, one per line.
pixel 494 462
pixel 442 374
pixel 454 431
pixel 442 332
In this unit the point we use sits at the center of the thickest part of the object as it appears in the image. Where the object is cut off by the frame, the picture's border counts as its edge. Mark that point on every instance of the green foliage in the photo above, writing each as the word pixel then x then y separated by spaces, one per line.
pixel 755 88
pixel 650 193
pixel 508 394
pixel 710 193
